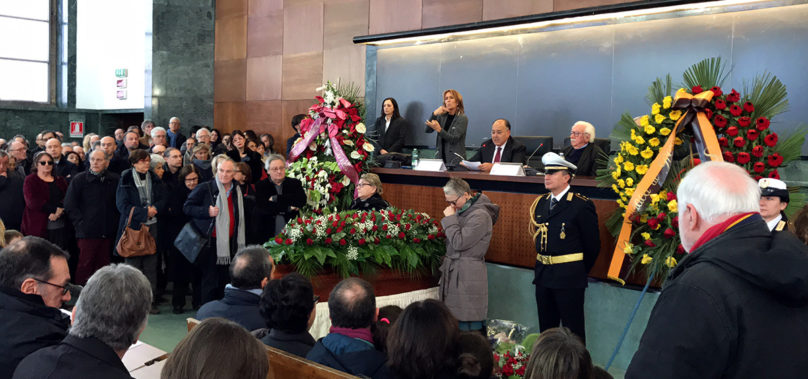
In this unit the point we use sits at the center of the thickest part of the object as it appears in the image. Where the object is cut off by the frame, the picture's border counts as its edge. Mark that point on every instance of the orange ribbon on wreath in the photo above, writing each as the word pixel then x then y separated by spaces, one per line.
pixel 692 107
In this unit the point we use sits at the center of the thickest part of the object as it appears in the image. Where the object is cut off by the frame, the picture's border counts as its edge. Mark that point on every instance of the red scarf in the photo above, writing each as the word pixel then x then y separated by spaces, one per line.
pixel 361 333
pixel 719 228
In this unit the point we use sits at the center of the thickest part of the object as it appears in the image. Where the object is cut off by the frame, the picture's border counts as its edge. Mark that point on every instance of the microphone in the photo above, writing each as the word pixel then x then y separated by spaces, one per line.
pixel 534 152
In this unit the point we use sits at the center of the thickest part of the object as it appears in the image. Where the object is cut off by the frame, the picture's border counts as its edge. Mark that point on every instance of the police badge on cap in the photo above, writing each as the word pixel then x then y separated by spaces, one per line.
pixel 553 162
pixel 773 187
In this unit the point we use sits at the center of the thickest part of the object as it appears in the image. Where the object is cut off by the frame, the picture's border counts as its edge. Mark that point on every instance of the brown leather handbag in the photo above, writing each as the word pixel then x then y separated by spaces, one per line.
pixel 135 243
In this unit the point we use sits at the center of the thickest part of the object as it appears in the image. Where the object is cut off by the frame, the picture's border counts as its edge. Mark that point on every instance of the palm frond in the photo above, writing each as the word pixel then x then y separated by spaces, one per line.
pixel 659 89
pixel 790 147
pixel 708 73
pixel 768 94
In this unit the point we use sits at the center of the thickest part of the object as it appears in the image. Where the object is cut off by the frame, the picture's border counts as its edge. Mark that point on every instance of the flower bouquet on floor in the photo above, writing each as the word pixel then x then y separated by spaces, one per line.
pixel 702 121
pixel 332 151
pixel 512 347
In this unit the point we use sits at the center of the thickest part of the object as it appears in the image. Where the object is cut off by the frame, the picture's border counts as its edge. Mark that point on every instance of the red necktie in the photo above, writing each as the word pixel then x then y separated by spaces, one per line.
pixel 497 155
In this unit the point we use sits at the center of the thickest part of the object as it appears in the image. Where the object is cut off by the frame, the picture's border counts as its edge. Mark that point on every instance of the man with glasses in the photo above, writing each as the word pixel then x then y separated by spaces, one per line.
pixel 90 203
pixel 17 150
pixel 583 152
pixel 277 198
pixel 33 286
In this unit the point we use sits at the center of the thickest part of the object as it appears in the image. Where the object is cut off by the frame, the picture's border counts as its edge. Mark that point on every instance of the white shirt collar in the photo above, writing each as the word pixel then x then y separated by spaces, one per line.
pixel 561 195
pixel 501 151
pixel 771 224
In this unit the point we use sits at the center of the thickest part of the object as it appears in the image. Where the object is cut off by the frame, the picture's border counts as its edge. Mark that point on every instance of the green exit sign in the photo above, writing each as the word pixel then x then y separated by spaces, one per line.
pixel 121 72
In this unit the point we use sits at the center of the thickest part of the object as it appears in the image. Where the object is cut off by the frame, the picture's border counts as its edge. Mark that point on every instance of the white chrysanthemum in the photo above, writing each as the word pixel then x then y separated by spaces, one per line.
pixel 295 233
pixel 329 97
pixel 368 224
pixel 355 155
pixel 360 127
pixel 320 231
pixel 433 229
pixel 353 253
pixel 322 174
pixel 393 229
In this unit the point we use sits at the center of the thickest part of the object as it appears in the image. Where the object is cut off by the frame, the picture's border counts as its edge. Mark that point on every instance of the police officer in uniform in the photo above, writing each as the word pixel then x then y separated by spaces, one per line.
pixel 564 226
pixel 773 200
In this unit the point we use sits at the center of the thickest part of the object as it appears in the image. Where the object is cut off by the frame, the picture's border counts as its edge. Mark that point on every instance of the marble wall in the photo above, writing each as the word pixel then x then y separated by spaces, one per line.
pixel 180 73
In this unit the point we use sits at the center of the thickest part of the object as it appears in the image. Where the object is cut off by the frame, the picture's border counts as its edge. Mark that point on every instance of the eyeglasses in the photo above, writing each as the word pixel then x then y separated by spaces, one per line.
pixel 454 202
pixel 576 134
pixel 48 163
pixel 64 288
pixel 360 185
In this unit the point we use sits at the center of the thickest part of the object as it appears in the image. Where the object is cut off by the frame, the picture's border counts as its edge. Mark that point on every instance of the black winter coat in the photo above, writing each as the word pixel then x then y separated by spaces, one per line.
pixel 27 326
pixel 127 197
pixel 735 307
pixel 90 204
pixel 373 203
pixel 292 195
pixel 12 201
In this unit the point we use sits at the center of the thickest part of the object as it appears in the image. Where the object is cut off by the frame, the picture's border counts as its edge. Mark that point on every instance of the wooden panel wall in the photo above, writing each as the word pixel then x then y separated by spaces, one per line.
pixel 270 55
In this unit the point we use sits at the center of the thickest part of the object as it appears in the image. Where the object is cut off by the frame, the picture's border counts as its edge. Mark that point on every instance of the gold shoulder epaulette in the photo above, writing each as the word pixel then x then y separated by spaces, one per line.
pixel 780 226
pixel 582 197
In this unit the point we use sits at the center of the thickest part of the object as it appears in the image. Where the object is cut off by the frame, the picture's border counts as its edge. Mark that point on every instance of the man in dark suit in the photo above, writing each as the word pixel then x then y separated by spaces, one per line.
pixel 500 148
pixel 61 166
pixel 565 229
pixel 583 152
pixel 296 126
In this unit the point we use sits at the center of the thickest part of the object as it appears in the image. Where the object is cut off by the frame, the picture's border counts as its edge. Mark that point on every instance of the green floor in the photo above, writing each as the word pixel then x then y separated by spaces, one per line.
pixel 166 329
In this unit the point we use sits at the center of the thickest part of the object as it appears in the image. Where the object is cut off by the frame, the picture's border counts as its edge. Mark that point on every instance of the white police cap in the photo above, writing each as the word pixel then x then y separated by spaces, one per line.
pixel 553 162
pixel 774 187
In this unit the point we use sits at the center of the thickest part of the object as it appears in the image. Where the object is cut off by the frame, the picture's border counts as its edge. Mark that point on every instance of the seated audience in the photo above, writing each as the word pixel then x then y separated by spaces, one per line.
pixel 583 152
pixel 105 325
pixel 269 144
pixel 250 271
pixel 390 128
pixel 370 194
pixel 33 280
pixel 381 327
pixel 217 348
pixel 500 148
pixel 348 346
pixel 559 353
pixel 287 305
pixel 476 359
pixel 423 342
pixel 11 236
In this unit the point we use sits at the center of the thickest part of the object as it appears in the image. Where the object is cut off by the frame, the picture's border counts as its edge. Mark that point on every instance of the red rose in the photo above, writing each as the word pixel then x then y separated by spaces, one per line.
pixel 327 230
pixel 401 235
pixel 720 104
pixel 384 227
pixel 416 240
pixel 770 140
pixel 278 240
pixel 762 123
pixel 430 237
pixel 339 229
pixel 335 224
pixel 407 226
pixel 775 160
pixel 733 96
pixel 696 90
pixel 376 240
pixel 774 174
pixel 649 243
pixel 719 121
pixel 361 241
pixel 289 241
pixel 716 91
pixel 375 228
pixel 342 224
pixel 328 240
pixel 735 110
pixel 738 141
pixel 675 222
pixel 300 220
pixel 728 157
pixel 744 121
pixel 757 151
pixel 758 167
pixel 696 162
pixel 660 216
pixel 352 231
pixel 309 241
pixel 680 249
pixel 671 196
pixel 758 177
pixel 652 222
pixel 669 233
pixel 709 113
pixel 743 157
pixel 342 242
pixel 748 107
pixel 752 134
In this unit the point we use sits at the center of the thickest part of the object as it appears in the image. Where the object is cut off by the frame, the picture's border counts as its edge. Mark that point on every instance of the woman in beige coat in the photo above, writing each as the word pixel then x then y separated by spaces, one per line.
pixel 468 226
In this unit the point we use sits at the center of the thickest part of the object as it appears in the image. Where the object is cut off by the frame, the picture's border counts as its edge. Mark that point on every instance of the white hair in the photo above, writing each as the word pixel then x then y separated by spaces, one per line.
pixel 198 132
pixel 718 190
pixel 588 129
pixel 273 157
pixel 156 130
pixel 174 118
pixel 156 160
